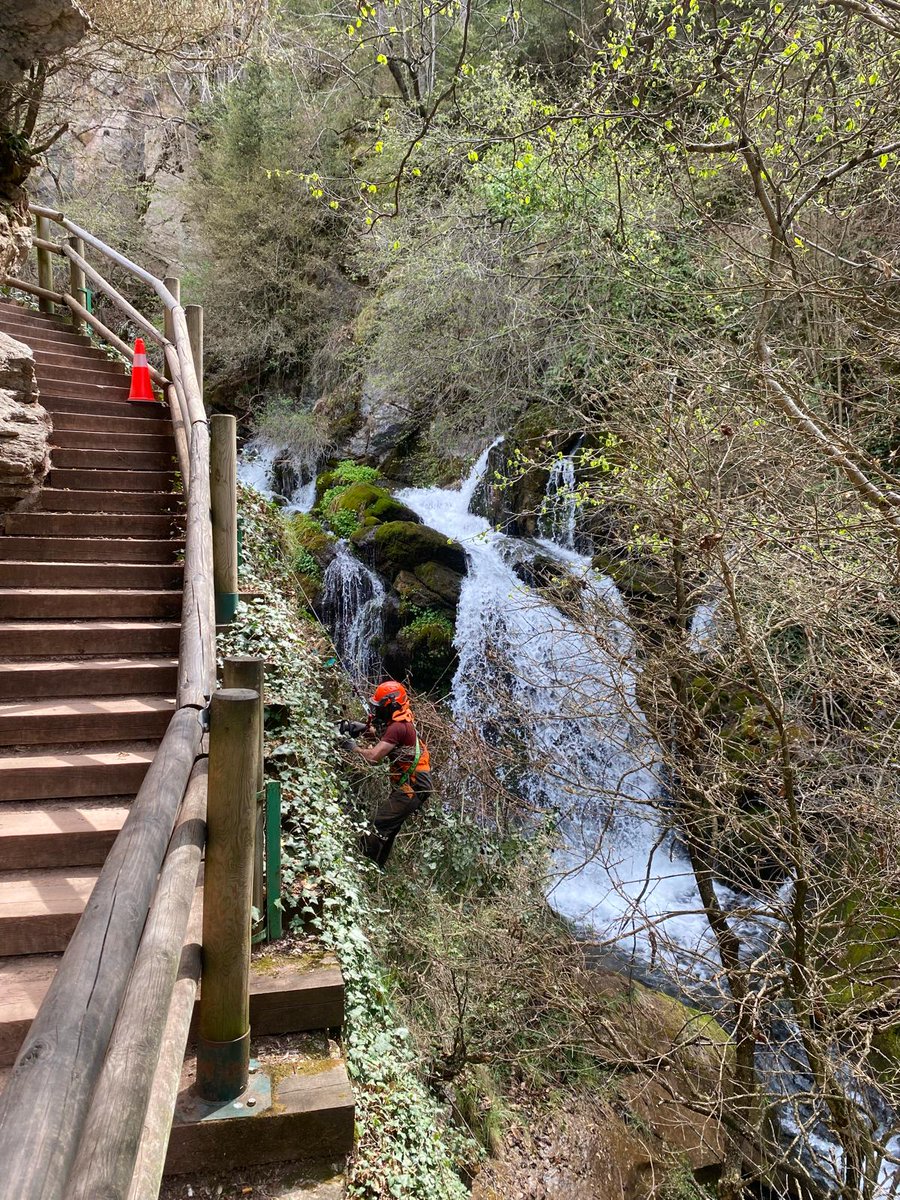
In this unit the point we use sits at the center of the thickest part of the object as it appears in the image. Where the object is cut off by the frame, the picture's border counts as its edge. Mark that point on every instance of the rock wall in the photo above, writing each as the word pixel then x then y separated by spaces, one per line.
pixel 36 30
pixel 24 426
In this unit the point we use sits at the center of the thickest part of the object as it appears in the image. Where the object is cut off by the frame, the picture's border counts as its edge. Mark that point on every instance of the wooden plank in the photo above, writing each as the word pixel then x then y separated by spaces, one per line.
pixel 33 639
pixel 151 576
pixel 59 776
pixel 44 1105
pixel 85 500
pixel 113 481
pixel 160 525
pixel 112 1132
pixel 112 460
pixel 39 910
pixel 97 677
pixel 75 603
pixel 312 1116
pixel 103 719
pixel 97 549
pixel 24 981
pixel 75 834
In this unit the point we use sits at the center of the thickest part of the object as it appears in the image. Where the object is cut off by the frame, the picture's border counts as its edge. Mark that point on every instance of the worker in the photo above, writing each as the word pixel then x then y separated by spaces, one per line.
pixel 392 727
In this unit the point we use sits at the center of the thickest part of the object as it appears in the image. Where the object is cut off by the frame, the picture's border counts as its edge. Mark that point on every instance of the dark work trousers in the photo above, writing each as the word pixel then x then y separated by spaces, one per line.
pixel 391 815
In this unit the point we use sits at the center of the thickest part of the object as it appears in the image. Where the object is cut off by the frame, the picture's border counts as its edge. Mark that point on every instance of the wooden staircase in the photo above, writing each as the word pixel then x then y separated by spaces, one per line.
pixel 90 630
pixel 90 599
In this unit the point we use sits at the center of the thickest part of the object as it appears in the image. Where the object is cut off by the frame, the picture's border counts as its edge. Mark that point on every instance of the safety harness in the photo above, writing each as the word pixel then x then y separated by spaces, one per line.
pixel 411 769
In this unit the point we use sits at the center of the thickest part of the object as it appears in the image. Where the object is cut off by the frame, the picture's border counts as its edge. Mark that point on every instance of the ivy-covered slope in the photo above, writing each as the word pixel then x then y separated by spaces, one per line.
pixel 403 1143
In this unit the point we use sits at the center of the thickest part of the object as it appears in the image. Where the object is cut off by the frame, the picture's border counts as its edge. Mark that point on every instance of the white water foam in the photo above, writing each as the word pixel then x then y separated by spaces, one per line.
pixel 530 675
pixel 256 469
pixel 352 603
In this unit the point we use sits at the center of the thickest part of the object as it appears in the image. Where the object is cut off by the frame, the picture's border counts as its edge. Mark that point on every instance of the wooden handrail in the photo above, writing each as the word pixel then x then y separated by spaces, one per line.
pixel 44 1107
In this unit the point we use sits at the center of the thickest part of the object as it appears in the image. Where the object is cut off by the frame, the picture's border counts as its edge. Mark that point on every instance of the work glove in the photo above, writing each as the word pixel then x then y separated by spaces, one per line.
pixel 352 728
pixel 347 744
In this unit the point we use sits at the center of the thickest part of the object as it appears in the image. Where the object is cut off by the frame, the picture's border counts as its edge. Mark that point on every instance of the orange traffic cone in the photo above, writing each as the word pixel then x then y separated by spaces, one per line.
pixel 141 387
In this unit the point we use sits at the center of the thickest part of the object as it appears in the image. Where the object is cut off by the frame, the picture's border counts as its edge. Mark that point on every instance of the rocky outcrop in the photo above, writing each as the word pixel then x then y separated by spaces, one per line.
pixel 36 30
pixel 24 426
pixel 31 31
pixel 383 425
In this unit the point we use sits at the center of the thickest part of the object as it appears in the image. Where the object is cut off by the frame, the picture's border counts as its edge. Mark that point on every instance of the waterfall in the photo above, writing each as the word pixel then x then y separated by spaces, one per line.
pixel 562 703
pixel 258 465
pixel 556 520
pixel 352 602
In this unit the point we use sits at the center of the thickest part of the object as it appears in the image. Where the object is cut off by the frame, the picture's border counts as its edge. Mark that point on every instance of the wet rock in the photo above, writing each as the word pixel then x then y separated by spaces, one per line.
pixel 402 545
pixel 24 426
pixel 443 581
pixel 414 594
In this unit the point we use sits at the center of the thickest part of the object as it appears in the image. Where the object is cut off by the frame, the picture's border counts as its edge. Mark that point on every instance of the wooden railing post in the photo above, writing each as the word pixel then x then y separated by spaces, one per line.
pixel 223 501
pixel 77 282
pixel 242 672
pixel 223 1045
pixel 193 314
pixel 44 265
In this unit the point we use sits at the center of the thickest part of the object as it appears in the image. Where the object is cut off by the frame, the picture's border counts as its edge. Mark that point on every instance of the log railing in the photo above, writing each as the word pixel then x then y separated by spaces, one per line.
pixel 80 1115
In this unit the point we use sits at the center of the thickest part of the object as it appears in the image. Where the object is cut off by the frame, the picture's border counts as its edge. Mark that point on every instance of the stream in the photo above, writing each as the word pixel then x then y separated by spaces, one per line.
pixel 552 688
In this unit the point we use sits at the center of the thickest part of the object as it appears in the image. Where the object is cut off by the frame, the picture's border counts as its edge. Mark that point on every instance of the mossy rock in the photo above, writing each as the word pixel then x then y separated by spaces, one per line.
pixel 372 504
pixel 414 595
pixel 306 532
pixel 396 546
pixel 642 577
pixel 442 581
pixel 427 646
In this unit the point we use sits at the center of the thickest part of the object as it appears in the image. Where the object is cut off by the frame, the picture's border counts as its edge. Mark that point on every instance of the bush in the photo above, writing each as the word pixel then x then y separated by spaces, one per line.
pixel 303 433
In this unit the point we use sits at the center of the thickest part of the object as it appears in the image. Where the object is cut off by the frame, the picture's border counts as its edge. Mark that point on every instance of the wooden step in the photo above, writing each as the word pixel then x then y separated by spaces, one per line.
pixel 107 407
pixel 39 910
pixel 103 719
pixel 38 324
pixel 55 355
pixel 23 984
pixel 27 312
pixel 72 343
pixel 30 679
pixel 46 336
pixel 112 376
pixel 93 390
pixel 86 423
pixel 113 481
pixel 93 439
pixel 77 603
pixel 78 500
pixel 90 525
pixel 71 833
pixel 148 576
pixel 287 999
pixel 36 639
pixel 97 549
pixel 59 775
pixel 111 460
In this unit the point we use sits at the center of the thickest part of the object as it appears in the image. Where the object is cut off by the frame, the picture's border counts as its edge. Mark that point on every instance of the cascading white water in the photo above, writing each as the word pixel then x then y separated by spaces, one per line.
pixel 352 602
pixel 530 678
pixel 556 520
pixel 256 469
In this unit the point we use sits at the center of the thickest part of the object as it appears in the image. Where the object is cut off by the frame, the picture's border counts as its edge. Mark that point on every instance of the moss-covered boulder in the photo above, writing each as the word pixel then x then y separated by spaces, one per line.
pixel 414 595
pixel 643 578
pixel 396 546
pixel 427 646
pixel 372 505
pixel 442 581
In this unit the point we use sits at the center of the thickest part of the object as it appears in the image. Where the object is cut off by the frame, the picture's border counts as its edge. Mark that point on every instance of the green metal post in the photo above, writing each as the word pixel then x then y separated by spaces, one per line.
pixel 273 859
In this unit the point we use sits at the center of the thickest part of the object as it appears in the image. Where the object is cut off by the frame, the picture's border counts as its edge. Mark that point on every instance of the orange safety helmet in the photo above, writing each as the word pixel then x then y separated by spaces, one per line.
pixel 388 698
